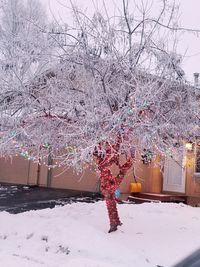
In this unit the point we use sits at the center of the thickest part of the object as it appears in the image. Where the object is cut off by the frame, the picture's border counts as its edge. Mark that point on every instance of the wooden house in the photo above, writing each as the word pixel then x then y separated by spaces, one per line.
pixel 178 178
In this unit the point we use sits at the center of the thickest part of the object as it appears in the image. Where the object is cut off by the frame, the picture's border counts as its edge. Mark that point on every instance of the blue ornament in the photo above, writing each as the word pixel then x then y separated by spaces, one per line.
pixel 117 193
pixel 145 103
pixel 130 112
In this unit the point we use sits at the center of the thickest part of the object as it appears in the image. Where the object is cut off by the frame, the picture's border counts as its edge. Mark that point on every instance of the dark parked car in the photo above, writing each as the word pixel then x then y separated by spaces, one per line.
pixel 191 261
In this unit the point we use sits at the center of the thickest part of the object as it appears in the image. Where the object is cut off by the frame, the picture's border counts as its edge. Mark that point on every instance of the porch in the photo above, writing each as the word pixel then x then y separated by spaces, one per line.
pixel 139 198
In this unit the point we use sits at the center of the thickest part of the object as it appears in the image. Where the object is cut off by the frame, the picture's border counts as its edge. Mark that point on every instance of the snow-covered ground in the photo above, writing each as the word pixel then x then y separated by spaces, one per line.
pixel 76 236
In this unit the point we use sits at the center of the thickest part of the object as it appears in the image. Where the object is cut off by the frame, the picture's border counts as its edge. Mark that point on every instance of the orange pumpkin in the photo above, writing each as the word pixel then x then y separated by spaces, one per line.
pixel 135 187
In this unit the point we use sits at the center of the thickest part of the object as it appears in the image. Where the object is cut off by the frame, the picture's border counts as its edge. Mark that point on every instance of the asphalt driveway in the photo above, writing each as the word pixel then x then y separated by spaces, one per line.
pixel 18 198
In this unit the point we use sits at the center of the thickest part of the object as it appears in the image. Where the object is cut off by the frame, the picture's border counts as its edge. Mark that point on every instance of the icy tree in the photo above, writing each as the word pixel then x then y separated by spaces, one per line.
pixel 118 76
pixel 24 54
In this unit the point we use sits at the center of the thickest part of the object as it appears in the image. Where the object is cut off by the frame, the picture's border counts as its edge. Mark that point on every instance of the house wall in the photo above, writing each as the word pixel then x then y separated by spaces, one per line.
pixel 192 181
pixel 17 170
pixel 42 177
pixel 69 179
pixel 150 176
pixel 32 173
pixel 22 171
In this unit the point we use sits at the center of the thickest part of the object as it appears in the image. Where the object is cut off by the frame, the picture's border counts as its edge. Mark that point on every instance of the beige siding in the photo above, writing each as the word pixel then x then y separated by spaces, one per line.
pixel 43 171
pixel 32 177
pixel 69 179
pixel 149 176
pixel 192 181
pixel 15 170
pixel 22 171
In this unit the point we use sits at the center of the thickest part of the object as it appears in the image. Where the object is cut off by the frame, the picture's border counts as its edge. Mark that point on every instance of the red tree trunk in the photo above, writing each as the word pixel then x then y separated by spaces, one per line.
pixel 110 183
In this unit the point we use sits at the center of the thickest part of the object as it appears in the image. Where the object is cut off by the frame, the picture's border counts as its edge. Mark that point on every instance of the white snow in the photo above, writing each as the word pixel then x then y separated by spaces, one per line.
pixel 76 236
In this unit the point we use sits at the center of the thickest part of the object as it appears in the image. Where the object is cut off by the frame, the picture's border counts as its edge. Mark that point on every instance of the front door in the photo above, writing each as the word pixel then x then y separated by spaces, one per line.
pixel 174 175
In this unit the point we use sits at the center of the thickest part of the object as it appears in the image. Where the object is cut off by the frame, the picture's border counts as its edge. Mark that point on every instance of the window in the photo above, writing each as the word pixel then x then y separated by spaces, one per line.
pixel 197 158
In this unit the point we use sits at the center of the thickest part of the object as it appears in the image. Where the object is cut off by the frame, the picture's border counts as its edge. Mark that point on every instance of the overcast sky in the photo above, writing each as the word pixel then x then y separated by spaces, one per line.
pixel 189 17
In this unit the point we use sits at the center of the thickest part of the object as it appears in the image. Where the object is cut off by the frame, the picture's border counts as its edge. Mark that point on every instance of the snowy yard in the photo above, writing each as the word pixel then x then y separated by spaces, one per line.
pixel 76 236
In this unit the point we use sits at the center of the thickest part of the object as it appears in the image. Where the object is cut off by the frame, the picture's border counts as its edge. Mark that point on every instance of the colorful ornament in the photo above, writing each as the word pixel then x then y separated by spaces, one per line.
pixel 147 156
pixel 130 111
pixel 46 145
pixel 117 193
